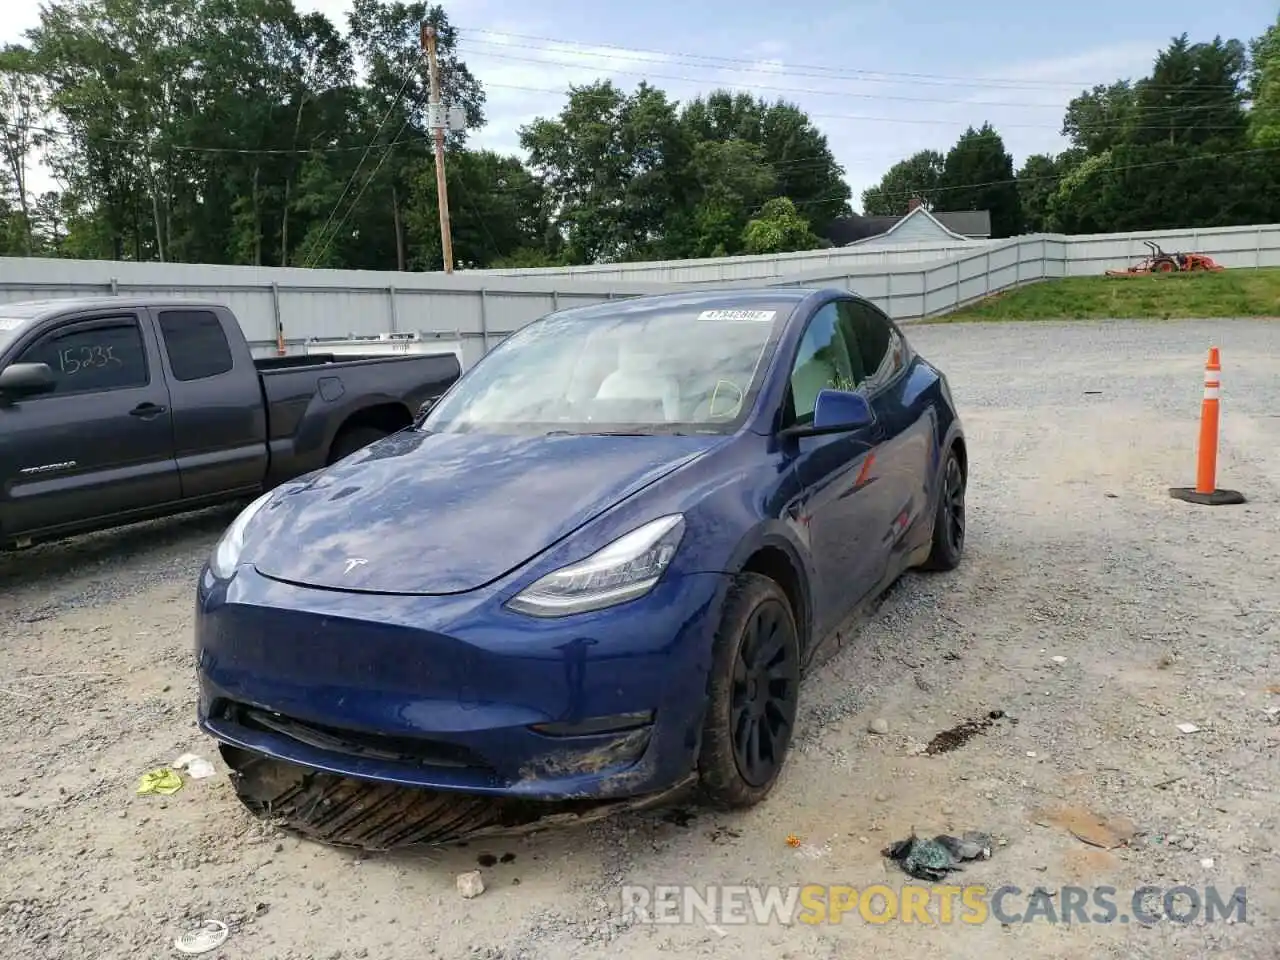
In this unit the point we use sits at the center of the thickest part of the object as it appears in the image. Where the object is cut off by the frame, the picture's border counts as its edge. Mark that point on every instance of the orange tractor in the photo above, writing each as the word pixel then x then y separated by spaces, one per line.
pixel 1161 262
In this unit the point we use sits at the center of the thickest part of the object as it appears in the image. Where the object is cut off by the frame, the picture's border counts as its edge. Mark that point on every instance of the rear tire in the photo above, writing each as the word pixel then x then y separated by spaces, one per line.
pixel 949 517
pixel 752 694
pixel 352 439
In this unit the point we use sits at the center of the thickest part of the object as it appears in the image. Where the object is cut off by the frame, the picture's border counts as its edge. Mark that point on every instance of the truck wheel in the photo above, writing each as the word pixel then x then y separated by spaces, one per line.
pixel 352 439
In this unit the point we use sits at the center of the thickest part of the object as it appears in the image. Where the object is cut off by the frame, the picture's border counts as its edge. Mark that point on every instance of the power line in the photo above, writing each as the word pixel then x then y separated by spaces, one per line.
pixel 759 86
pixel 810 91
pixel 869 76
pixel 1114 168
pixel 395 101
pixel 356 202
pixel 1147 110
pixel 790 165
pixel 935 121
pixel 193 148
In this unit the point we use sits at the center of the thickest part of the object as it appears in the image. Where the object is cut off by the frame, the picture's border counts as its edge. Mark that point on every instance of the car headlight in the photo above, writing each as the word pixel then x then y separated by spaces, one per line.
pixel 624 570
pixel 226 555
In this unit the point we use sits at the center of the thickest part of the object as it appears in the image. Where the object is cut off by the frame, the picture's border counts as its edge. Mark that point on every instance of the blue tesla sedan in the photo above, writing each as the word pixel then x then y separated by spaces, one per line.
pixel 594 572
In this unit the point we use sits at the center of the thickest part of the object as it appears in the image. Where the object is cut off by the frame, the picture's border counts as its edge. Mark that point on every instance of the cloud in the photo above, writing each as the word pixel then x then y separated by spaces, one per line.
pixel 1110 62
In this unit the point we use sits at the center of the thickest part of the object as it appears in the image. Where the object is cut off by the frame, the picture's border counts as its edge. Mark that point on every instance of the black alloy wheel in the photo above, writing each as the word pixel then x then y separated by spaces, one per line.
pixel 763 694
pixel 953 494
pixel 753 693
pixel 949 518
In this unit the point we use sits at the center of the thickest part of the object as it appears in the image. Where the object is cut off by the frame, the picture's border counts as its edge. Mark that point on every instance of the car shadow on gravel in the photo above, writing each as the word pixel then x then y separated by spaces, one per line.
pixel 77 556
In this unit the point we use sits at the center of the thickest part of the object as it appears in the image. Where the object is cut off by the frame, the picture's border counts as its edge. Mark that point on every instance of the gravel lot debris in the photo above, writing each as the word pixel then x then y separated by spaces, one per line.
pixel 1164 613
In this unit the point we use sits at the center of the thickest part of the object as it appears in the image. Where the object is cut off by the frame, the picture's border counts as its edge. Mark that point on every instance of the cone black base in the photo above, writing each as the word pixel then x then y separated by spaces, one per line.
pixel 1219 498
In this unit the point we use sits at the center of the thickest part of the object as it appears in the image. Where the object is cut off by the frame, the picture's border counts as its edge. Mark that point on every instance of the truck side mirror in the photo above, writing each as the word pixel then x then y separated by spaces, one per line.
pixel 20 380
pixel 425 407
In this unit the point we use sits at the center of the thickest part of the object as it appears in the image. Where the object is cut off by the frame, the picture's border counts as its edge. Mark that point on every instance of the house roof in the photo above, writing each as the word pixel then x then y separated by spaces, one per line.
pixel 846 230
pixel 970 223
pixel 963 223
pixel 918 212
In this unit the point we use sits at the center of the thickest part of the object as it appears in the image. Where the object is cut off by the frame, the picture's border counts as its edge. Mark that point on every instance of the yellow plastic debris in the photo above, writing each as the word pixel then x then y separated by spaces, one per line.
pixel 162 781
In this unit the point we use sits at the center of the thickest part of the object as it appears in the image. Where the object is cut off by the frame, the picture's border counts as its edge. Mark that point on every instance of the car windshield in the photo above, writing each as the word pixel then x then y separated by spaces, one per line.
pixel 635 369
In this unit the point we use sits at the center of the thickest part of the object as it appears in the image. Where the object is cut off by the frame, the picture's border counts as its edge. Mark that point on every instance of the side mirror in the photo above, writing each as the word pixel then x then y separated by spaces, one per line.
pixel 26 380
pixel 425 408
pixel 836 411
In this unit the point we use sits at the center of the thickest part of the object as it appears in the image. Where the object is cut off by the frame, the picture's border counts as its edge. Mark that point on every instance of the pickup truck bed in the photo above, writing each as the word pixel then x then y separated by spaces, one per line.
pixel 115 410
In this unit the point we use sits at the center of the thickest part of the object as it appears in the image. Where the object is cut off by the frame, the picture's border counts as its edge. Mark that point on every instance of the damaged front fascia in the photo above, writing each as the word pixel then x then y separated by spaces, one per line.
pixel 626 749
pixel 346 812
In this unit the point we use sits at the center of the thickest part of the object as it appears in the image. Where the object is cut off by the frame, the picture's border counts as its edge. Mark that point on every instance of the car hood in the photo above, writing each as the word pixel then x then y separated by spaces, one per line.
pixel 433 514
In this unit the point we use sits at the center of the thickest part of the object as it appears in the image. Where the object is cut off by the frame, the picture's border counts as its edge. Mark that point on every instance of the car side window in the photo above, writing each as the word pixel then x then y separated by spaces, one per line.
pixel 92 357
pixel 880 344
pixel 196 344
pixel 828 358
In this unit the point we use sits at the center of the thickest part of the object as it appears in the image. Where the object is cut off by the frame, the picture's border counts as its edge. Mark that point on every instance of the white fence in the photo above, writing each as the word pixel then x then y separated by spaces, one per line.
pixel 1088 254
pixel 910 292
pixel 721 269
pixel 481 309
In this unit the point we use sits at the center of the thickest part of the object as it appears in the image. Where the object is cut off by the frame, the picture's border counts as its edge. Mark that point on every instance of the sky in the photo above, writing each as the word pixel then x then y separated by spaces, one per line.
pixel 882 78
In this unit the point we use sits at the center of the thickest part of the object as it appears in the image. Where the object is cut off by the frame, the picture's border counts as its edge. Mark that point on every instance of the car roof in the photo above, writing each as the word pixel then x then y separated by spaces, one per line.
pixel 37 309
pixel 721 298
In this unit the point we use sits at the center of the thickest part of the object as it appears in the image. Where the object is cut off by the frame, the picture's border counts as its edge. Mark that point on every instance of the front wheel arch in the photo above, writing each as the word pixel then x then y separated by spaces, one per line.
pixel 776 564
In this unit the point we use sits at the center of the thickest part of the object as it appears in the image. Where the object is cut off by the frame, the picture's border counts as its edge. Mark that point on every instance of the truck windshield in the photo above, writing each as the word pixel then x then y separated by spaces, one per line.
pixel 668 369
pixel 10 327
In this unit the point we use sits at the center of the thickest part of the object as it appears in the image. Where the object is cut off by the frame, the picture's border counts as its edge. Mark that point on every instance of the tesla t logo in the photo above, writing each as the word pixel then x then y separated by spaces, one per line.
pixel 353 562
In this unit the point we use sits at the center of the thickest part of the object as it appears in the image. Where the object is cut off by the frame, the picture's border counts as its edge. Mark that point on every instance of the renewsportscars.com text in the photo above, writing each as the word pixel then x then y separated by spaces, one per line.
pixel 930 904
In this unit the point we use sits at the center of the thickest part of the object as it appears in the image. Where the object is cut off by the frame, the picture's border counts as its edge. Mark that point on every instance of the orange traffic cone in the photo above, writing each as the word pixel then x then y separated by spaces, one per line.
pixel 1206 491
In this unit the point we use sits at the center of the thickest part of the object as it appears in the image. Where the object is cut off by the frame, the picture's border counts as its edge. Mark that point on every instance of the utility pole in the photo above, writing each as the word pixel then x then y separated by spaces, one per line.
pixel 437 121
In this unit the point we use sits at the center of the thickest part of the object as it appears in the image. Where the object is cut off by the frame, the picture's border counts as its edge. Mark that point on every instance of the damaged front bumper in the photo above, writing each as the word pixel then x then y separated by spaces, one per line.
pixel 328 700
pixel 369 815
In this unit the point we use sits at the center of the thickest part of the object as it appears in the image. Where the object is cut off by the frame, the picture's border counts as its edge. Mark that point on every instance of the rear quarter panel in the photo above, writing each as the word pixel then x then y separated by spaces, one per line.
pixel 308 406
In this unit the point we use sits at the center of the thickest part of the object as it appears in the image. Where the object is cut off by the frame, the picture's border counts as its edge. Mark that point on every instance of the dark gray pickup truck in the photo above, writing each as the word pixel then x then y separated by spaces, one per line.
pixel 116 410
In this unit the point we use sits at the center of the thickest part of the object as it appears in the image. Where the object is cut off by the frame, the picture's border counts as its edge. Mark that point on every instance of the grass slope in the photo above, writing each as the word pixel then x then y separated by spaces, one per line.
pixel 1231 293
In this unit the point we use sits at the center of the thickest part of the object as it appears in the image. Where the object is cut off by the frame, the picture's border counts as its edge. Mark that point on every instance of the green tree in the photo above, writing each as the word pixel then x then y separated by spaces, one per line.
pixel 1182 159
pixel 119 74
pixel 1264 89
pixel 386 37
pixel 1100 118
pixel 497 212
pixel 22 111
pixel 729 178
pixel 919 176
pixel 50 221
pixel 804 168
pixel 614 165
pixel 978 175
pixel 778 228
pixel 1038 181
pixel 1194 96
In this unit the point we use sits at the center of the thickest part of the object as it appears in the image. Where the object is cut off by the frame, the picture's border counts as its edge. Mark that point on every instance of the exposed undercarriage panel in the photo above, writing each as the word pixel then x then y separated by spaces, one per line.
pixel 347 812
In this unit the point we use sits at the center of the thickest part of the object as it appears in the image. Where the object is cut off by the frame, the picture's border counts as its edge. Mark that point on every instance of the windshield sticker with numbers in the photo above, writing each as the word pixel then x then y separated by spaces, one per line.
pixel 757 316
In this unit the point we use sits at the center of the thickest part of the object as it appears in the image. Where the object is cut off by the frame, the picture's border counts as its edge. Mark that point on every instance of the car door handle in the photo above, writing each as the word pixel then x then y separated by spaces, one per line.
pixel 147 410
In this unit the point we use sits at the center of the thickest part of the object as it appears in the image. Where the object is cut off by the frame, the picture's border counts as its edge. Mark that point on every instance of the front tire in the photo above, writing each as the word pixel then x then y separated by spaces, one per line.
pixel 949 518
pixel 752 694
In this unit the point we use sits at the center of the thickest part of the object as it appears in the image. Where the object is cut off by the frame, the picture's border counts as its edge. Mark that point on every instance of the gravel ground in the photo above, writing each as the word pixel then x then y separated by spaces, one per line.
pixel 1092 609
